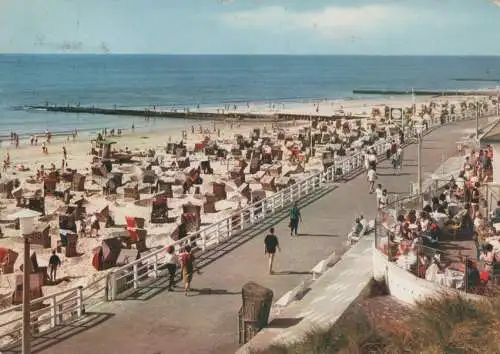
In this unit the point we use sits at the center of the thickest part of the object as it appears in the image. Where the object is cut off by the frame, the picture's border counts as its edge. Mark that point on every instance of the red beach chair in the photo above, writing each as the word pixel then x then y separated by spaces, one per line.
pixel 132 228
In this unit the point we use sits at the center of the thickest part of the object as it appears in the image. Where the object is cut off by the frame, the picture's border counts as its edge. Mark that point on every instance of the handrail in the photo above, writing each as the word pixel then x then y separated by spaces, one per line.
pixel 220 231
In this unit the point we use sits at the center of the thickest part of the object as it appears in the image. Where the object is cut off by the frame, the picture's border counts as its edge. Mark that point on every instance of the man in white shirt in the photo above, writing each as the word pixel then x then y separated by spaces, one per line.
pixel 382 202
pixel 372 176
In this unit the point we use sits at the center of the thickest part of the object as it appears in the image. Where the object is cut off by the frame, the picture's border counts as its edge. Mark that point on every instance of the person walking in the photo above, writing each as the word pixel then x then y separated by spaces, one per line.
pixel 271 245
pixel 54 262
pixel 372 177
pixel 171 261
pixel 187 268
pixel 295 218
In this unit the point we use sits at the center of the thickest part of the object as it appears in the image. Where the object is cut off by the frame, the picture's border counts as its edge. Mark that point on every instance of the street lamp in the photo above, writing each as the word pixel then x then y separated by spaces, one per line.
pixel 477 120
pixel 26 227
pixel 311 134
pixel 498 103
pixel 419 127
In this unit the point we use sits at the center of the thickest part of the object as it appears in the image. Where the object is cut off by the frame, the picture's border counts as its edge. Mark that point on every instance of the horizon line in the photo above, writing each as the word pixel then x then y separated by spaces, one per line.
pixel 251 54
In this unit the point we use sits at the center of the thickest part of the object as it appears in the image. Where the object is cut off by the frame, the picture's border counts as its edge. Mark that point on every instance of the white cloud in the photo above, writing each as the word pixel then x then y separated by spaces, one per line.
pixel 331 21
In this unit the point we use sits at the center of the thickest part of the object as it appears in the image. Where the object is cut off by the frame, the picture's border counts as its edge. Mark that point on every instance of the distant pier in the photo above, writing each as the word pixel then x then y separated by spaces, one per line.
pixel 195 115
pixel 425 92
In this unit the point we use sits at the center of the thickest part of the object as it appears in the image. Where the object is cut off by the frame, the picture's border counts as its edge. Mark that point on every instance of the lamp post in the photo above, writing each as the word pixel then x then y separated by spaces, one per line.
pixel 419 130
pixel 26 226
pixel 477 120
pixel 498 103
pixel 311 134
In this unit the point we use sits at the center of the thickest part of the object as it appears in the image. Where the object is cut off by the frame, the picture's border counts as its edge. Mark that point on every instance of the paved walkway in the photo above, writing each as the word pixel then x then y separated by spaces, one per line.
pixel 207 321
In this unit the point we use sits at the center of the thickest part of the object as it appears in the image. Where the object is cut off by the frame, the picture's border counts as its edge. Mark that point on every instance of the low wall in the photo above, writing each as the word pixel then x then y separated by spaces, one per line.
pixel 405 286
pixel 329 297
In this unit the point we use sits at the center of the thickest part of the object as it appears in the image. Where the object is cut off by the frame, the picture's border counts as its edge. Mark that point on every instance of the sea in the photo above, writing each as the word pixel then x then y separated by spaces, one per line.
pixel 144 81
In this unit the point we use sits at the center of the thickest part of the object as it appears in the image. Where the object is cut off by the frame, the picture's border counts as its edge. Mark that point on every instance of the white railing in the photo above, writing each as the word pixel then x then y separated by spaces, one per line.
pixel 51 311
pixel 129 278
pixel 70 305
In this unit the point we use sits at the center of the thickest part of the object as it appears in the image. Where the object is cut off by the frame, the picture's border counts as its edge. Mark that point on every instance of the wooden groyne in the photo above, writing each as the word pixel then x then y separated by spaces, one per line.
pixel 425 92
pixel 198 115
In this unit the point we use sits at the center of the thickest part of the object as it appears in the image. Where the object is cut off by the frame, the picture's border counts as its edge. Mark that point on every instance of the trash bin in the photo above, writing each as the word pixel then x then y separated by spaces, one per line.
pixel 254 313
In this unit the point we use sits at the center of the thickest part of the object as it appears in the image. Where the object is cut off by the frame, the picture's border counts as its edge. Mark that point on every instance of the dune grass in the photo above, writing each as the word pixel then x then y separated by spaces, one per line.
pixel 448 324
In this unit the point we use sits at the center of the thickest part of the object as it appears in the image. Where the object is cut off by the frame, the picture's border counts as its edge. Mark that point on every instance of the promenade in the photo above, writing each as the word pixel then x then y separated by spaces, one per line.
pixel 156 321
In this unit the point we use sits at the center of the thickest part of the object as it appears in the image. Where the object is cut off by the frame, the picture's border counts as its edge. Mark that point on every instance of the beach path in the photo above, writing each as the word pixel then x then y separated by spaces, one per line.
pixel 157 321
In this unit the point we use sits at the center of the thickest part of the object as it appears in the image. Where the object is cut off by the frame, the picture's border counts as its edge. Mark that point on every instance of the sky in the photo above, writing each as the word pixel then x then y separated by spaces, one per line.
pixel 380 27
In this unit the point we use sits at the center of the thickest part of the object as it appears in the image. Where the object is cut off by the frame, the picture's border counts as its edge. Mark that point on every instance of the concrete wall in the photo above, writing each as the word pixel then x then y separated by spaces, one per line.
pixel 496 163
pixel 405 286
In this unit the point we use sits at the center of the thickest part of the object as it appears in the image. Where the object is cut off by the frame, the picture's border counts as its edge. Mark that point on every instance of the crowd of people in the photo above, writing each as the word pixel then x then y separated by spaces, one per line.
pixel 413 239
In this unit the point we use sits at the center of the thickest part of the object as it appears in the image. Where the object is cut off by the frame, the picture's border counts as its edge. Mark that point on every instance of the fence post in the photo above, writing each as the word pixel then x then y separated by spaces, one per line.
pixel 242 221
pixel 79 302
pixel 217 233
pixel 466 277
pixel 53 311
pixel 136 276
pixel 252 214
pixel 155 264
pixel 113 282
pixel 229 227
pixel 263 203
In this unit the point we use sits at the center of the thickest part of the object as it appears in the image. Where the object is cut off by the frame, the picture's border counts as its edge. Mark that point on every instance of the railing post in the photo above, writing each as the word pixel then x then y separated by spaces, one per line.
pixel 53 312
pixel 242 221
pixel 79 302
pixel 229 227
pixel 217 233
pixel 113 282
pixel 291 193
pixel 252 215
pixel 273 204
pixel 299 190
pixel 136 276
pixel 155 263
pixel 263 203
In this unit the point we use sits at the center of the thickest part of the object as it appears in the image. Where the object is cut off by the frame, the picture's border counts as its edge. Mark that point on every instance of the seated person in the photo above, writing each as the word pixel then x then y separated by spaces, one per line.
pixel 425 222
pixel 434 231
pixel 473 276
pixel 443 208
pixel 435 203
pixel 411 217
pixel 422 263
pixel 358 229
pixel 495 214
pixel 434 269
pixel 427 208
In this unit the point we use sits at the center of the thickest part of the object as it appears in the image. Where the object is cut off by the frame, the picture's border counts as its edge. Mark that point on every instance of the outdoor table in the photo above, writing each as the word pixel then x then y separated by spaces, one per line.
pixel 407 261
pixel 451 279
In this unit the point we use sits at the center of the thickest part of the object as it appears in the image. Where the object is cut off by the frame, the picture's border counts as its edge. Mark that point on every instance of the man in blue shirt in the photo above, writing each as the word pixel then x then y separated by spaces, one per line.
pixel 295 217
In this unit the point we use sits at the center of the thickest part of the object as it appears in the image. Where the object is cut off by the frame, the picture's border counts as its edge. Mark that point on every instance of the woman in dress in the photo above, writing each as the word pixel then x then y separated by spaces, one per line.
pixel 187 267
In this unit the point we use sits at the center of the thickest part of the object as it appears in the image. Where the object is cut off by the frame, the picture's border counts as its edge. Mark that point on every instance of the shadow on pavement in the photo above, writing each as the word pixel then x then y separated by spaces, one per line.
pixel 147 292
pixel 210 291
pixel 61 333
pixel 284 322
pixel 291 272
pixel 317 235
